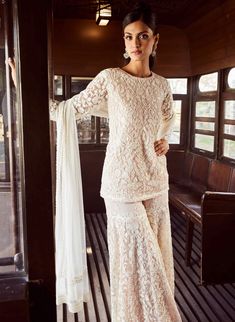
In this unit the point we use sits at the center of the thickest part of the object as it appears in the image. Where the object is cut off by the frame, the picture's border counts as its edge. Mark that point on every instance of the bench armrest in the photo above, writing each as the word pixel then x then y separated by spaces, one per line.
pixel 218 195
pixel 218 202
pixel 218 237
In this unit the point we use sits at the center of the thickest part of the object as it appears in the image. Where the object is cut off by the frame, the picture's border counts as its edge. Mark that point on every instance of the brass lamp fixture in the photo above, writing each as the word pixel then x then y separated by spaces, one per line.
pixel 103 14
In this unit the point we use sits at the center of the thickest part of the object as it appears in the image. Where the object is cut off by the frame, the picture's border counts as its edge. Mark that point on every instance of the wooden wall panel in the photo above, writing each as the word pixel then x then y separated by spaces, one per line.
pixel 82 48
pixel 212 39
pixel 173 58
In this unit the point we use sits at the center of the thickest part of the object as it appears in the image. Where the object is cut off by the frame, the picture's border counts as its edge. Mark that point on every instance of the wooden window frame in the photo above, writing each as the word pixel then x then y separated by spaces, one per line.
pixel 227 93
pixel 198 96
pixel 184 98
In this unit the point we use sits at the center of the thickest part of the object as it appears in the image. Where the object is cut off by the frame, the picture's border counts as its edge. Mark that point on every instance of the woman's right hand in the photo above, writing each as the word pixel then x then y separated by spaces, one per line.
pixel 12 65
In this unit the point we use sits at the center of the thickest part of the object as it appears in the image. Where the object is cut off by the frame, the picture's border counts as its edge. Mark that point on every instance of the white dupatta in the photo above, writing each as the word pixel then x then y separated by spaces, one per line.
pixel 72 286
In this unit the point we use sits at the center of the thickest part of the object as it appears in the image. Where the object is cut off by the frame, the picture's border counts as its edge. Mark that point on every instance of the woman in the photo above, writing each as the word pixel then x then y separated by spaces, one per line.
pixel 134 183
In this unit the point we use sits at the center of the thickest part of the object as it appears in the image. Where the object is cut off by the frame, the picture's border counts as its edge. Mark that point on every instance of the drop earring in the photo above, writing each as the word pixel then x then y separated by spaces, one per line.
pixel 154 52
pixel 126 55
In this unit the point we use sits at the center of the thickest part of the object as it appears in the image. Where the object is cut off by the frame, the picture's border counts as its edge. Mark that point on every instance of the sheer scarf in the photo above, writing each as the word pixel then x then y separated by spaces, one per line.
pixel 72 286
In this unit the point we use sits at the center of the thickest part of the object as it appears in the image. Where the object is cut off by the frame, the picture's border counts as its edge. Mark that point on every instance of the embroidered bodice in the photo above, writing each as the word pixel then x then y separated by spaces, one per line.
pixel 140 112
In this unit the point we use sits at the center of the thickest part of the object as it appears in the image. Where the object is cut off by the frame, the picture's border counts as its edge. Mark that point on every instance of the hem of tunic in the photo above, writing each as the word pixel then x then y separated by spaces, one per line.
pixel 134 199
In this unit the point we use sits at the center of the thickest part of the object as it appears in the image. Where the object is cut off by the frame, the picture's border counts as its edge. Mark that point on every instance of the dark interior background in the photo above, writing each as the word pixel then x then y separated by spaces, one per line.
pixel 195 37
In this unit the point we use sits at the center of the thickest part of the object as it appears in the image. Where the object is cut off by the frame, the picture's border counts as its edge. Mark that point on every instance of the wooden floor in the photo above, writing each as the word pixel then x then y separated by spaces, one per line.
pixel 196 303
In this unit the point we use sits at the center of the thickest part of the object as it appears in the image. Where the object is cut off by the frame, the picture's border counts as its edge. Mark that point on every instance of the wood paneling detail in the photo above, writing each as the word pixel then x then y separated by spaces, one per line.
pixel 212 39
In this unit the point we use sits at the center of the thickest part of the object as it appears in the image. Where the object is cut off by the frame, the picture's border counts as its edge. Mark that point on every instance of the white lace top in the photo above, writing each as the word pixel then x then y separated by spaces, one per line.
pixel 140 112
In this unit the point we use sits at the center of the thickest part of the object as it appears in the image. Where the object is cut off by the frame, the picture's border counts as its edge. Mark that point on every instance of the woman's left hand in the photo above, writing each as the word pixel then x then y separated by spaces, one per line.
pixel 161 147
pixel 12 65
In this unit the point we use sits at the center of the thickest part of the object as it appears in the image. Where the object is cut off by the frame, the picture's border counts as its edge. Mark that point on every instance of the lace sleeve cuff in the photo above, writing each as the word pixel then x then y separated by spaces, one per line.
pixel 53 105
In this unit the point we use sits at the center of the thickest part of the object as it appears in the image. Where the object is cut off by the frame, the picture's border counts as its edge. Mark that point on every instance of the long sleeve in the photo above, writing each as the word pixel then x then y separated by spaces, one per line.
pixel 91 101
pixel 168 113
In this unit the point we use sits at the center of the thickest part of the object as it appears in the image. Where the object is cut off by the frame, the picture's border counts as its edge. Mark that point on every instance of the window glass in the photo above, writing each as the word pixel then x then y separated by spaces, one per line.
pixel 11 182
pixel 208 82
pixel 204 142
pixel 87 130
pixel 230 109
pixel 178 85
pixel 205 109
pixel 229 129
pixel 104 130
pixel 2 150
pixel 229 149
pixel 58 85
pixel 231 78
pixel 78 84
pixel 207 126
pixel 175 135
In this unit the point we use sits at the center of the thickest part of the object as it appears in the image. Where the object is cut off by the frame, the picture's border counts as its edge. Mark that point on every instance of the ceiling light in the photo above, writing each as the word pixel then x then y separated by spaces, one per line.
pixel 103 14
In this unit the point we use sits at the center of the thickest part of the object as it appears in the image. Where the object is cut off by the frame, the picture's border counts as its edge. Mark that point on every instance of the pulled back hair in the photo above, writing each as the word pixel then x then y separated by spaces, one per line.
pixel 142 11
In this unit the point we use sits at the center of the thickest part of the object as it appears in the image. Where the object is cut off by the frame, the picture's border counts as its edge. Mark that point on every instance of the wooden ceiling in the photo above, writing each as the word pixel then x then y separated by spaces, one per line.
pixel 179 13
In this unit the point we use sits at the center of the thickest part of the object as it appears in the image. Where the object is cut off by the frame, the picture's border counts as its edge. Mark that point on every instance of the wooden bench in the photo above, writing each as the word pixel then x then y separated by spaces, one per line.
pixel 204 192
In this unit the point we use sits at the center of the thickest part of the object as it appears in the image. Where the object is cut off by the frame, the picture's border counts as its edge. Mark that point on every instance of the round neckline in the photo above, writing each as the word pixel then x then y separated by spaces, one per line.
pixel 138 77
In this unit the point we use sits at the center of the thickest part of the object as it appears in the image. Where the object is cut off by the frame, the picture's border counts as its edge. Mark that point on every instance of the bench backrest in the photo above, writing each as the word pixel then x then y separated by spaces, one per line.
pixel 199 175
pixel 232 181
pixel 219 176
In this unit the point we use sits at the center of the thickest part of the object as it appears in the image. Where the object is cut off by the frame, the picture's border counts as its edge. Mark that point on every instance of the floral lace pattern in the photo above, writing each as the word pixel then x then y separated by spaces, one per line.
pixel 141 261
pixel 137 108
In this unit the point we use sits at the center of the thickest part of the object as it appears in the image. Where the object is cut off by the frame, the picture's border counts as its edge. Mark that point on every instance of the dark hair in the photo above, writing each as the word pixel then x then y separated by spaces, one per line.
pixel 142 11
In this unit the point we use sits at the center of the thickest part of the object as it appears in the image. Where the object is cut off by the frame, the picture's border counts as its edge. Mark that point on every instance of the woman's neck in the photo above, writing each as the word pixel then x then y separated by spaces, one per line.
pixel 139 69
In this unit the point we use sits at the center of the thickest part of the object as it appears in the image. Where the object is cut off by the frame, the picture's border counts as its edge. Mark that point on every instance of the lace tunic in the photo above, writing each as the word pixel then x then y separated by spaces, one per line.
pixel 140 112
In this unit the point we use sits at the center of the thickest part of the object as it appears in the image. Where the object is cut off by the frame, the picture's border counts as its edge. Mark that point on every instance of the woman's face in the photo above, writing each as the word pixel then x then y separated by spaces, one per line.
pixel 139 40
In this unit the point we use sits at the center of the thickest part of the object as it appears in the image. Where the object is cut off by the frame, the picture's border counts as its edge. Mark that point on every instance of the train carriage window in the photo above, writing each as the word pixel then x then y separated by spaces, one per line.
pixel 2 151
pixel 229 129
pixel 179 88
pixel 231 78
pixel 175 136
pixel 178 85
pixel 104 130
pixel 205 114
pixel 58 86
pixel 229 110
pixel 208 82
pixel 204 142
pixel 12 246
pixel 208 126
pixel 205 109
pixel 229 149
pixel 227 117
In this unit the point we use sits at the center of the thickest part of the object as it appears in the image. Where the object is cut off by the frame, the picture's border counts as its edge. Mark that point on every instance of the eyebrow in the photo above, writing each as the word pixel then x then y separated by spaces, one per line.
pixel 126 32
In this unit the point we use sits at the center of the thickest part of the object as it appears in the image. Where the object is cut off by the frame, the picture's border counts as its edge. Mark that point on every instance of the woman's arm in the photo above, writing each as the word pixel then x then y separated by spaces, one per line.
pixel 90 101
pixel 168 114
pixel 168 119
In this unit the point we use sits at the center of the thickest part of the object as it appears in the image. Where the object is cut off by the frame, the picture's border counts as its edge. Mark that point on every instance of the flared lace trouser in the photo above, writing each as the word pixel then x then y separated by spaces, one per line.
pixel 141 261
